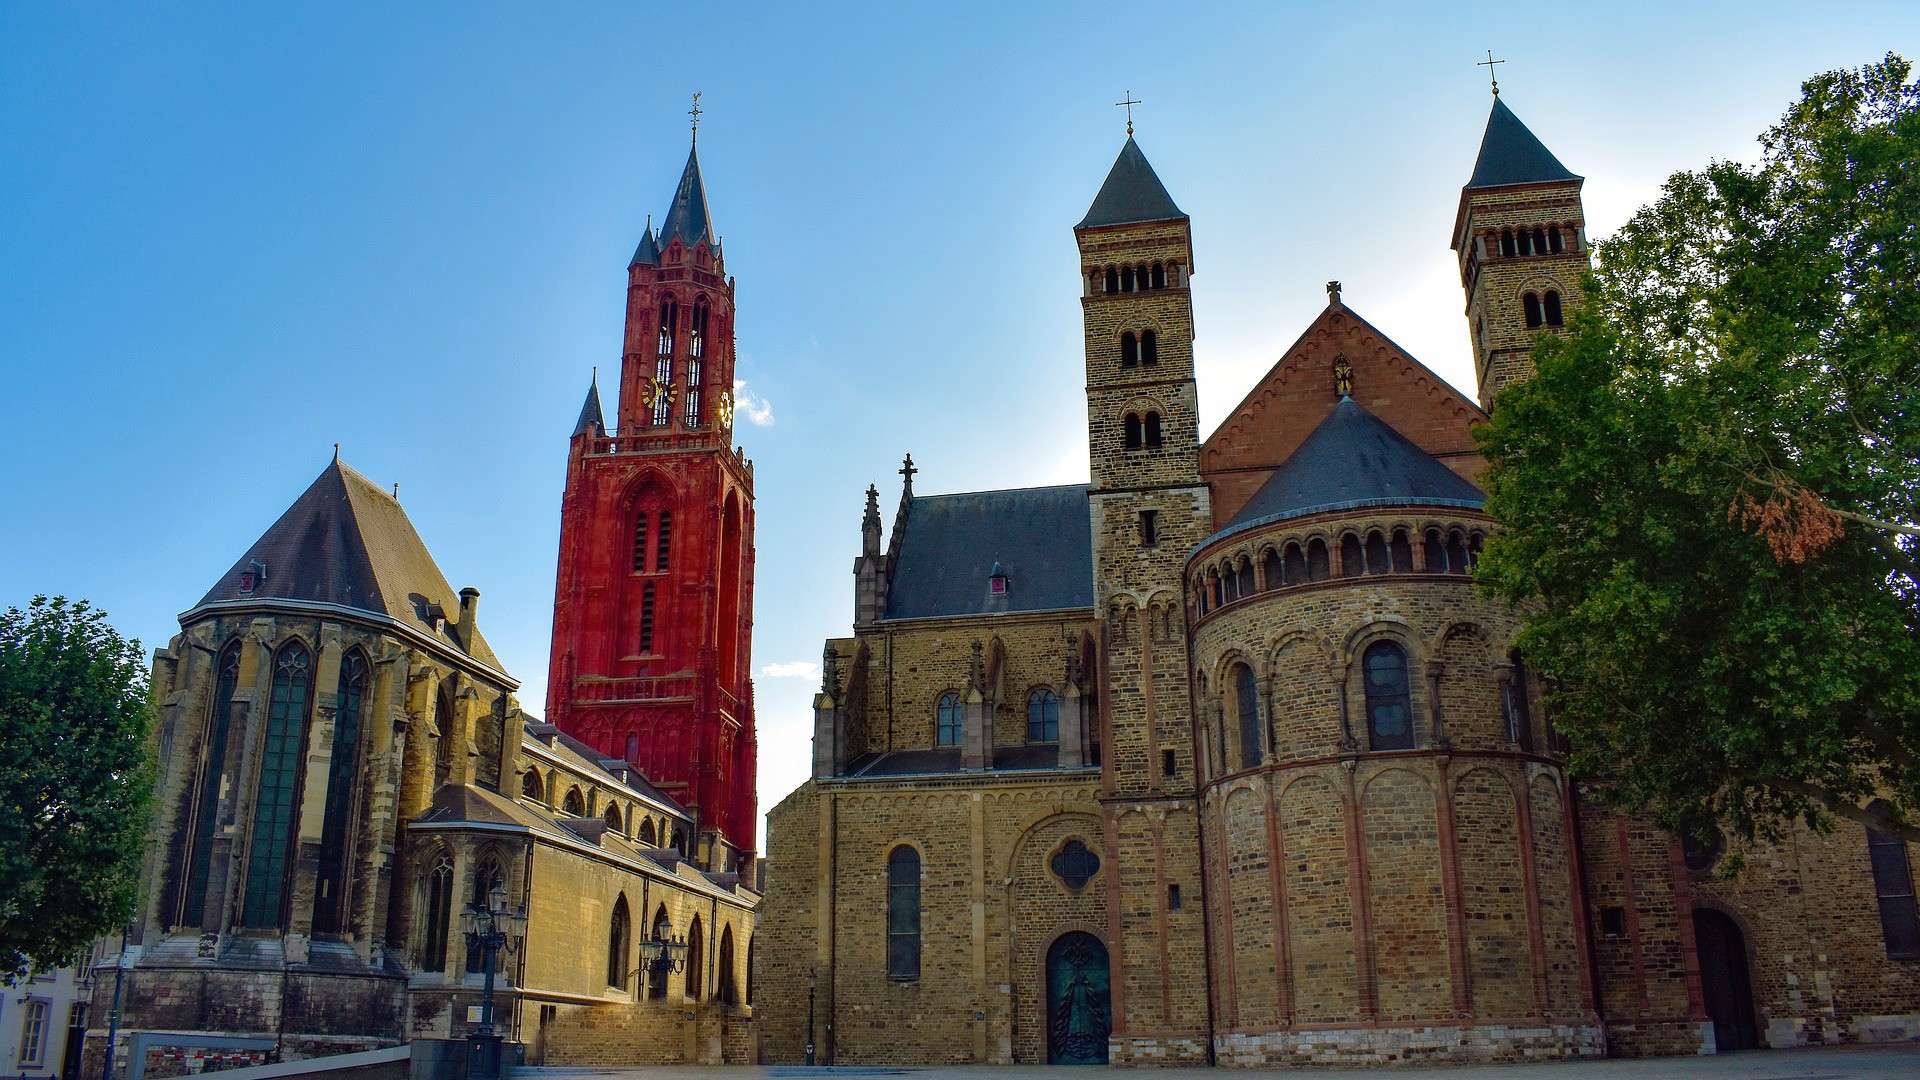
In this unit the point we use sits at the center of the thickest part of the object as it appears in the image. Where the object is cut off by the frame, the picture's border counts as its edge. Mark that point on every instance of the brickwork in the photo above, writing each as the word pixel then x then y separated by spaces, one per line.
pixel 1496 284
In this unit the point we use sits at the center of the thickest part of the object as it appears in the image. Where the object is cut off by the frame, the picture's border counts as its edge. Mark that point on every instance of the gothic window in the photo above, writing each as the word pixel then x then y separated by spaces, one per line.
pixel 1893 886
pixel 1554 243
pixel 723 981
pixel 1377 553
pixel 1129 350
pixel 1436 553
pixel 1506 243
pixel 1402 552
pixel 443 728
pixel 484 880
pixel 697 341
pixel 657 977
pixel 647 835
pixel 695 365
pixel 330 896
pixel 207 802
pixel 1514 701
pixel 1113 280
pixel 903 913
pixel 433 946
pixel 1270 569
pixel 1531 302
pixel 639 543
pixel 1245 574
pixel 530 785
pixel 749 994
pixel 1043 717
pixel 1149 347
pixel 679 840
pixel 1319 565
pixel 273 807
pixel 613 817
pixel 1353 562
pixel 696 959
pixel 669 322
pixel 1389 703
pixel 1550 305
pixel 947 723
pixel 1295 563
pixel 1159 275
pixel 660 545
pixel 619 943
pixel 1133 431
pixel 575 805
pixel 646 617
pixel 1074 864
pixel 1151 431
pixel 1246 701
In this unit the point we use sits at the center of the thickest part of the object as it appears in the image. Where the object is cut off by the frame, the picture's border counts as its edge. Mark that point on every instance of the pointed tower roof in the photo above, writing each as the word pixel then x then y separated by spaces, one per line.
pixel 1510 154
pixel 1131 194
pixel 687 219
pixel 345 543
pixel 1354 459
pixel 648 253
pixel 592 422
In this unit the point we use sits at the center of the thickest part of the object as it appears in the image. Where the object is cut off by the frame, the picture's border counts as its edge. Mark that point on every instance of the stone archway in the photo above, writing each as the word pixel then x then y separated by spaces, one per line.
pixel 1079 1000
pixel 1725 984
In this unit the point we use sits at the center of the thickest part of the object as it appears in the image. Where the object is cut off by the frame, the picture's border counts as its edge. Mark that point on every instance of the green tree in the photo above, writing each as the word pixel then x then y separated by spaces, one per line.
pixel 1709 492
pixel 75 785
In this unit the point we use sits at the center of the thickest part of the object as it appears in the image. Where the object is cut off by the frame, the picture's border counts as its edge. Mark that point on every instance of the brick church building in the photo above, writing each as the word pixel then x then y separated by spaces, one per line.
pixel 1220 757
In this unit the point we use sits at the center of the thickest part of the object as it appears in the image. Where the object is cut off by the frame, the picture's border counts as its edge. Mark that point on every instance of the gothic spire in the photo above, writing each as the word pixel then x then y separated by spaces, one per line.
pixel 648 253
pixel 687 218
pixel 591 419
pixel 1511 154
pixel 1132 193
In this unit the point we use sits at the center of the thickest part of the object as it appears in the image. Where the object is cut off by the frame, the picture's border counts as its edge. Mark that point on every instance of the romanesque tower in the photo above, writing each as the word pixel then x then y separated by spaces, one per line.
pixel 1521 237
pixel 653 609
pixel 1149 508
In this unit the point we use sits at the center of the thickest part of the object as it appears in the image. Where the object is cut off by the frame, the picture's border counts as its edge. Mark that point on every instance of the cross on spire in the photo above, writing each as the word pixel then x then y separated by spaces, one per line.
pixel 1128 105
pixel 908 470
pixel 695 113
pixel 1491 74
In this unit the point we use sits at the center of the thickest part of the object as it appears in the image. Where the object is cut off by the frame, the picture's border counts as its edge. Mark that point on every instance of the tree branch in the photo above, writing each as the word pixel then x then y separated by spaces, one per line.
pixel 1890 526
pixel 1840 807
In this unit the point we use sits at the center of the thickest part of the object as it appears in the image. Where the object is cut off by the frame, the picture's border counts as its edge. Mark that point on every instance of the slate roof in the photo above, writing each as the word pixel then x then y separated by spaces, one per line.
pixel 346 542
pixel 1133 192
pixel 1354 459
pixel 1510 154
pixel 592 422
pixel 687 219
pixel 648 253
pixel 1042 537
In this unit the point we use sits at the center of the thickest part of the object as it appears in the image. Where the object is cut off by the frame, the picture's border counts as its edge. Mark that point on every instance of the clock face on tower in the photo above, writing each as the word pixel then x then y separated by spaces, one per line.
pixel 724 412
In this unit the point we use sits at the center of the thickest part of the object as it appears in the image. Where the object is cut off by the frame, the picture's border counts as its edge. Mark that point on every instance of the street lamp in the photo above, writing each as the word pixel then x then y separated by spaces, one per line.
pixel 812 981
pixel 662 955
pixel 489 929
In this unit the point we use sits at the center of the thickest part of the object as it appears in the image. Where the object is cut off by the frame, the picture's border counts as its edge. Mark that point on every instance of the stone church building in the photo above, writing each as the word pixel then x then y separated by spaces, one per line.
pixel 1221 757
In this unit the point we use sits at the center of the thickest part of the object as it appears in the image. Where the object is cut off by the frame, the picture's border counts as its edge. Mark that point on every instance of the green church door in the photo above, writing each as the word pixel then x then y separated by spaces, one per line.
pixel 1079 1008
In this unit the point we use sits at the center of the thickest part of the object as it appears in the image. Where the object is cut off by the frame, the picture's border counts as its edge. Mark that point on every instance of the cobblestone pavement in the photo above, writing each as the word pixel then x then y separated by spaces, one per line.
pixel 1899 1062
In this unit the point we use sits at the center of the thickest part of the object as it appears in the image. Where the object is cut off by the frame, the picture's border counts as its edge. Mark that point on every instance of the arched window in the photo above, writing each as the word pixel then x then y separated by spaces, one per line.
pixel 439 888
pixel 1519 716
pixel 206 802
pixel 669 322
pixel 1246 700
pixel 1319 565
pixel 1436 553
pixel 749 995
pixel 1506 243
pixel 1295 561
pixel 1132 431
pixel 276 798
pixel 1531 302
pixel 1229 585
pixel 1377 553
pixel 1271 570
pixel 663 367
pixel 1113 280
pixel 485 879
pixel 697 341
pixel 695 352
pixel 1550 304
pixel 1539 240
pixel 657 975
pixel 1043 717
pixel 1245 575
pixel 330 909
pixel 1353 562
pixel 1456 553
pixel 648 838
pixel 1151 434
pixel 723 981
pixel 903 913
pixel 679 839
pixel 1149 347
pixel 1213 587
pixel 1129 350
pixel 1526 241
pixel 613 816
pixel 443 733
pixel 696 959
pixel 1389 703
pixel 1402 552
pixel 619 943
pixel 947 723
pixel 1893 887
pixel 662 545
pixel 1553 239
pixel 639 543
pixel 1159 275
pixel 576 804
pixel 1126 279
pixel 530 785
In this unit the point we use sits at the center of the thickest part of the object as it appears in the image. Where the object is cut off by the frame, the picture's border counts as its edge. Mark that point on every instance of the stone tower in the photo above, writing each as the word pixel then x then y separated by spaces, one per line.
pixel 1149 508
pixel 1521 237
pixel 653 609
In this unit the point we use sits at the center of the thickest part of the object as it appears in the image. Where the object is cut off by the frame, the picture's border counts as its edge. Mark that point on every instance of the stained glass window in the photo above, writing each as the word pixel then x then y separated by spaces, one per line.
pixel 1389 704
pixel 276 797
pixel 1043 717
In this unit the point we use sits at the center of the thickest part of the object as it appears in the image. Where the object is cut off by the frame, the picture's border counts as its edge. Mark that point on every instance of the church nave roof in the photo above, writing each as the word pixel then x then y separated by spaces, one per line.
pixel 1042 538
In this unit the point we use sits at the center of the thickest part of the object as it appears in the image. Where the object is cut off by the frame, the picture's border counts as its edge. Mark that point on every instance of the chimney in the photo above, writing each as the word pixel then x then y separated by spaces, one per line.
pixel 469 610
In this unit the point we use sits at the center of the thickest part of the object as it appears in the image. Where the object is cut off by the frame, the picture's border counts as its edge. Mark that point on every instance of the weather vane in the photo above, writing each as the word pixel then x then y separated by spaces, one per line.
pixel 1128 105
pixel 696 110
pixel 1488 64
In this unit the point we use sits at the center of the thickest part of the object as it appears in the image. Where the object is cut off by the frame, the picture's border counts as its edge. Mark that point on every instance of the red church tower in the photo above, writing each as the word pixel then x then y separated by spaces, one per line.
pixel 653 609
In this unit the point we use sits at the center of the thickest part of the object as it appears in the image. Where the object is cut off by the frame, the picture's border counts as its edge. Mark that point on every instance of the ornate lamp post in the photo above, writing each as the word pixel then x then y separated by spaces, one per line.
pixel 489 929
pixel 812 980
pixel 662 955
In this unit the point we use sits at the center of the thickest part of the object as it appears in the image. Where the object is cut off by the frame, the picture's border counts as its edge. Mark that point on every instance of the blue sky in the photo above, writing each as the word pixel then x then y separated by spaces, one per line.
pixel 232 235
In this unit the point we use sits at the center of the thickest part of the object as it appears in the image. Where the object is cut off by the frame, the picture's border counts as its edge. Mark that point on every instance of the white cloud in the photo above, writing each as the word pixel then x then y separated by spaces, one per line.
pixel 799 669
pixel 757 410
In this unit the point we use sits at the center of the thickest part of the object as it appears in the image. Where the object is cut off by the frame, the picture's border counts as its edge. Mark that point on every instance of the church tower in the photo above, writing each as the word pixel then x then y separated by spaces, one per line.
pixel 1521 238
pixel 1149 509
pixel 653 608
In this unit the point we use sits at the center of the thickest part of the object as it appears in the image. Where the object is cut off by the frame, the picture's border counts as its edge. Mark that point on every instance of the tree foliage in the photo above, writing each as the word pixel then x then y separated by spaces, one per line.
pixel 1710 491
pixel 75 784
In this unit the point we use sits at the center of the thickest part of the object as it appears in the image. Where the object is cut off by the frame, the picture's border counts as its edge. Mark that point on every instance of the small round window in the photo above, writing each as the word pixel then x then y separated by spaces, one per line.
pixel 1701 845
pixel 1074 864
